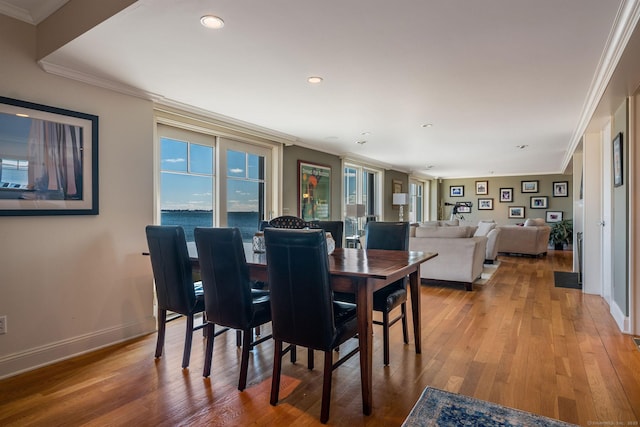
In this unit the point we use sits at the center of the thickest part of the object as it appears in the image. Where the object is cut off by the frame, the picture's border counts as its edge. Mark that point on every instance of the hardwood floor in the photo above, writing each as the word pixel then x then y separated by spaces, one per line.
pixel 517 341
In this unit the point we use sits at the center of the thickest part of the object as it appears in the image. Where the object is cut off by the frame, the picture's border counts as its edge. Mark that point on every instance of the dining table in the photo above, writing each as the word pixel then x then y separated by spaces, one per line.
pixel 361 272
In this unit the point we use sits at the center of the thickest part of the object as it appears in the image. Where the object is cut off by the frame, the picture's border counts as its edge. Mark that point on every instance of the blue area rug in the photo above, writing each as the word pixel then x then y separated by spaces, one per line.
pixel 440 408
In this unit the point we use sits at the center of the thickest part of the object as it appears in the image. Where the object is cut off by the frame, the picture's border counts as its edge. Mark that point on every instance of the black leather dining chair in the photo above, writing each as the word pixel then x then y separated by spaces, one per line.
pixel 229 297
pixel 336 228
pixel 175 288
pixel 391 236
pixel 302 307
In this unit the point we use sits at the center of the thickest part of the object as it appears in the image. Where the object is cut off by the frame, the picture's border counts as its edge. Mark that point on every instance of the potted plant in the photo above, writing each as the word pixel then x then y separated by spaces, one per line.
pixel 561 233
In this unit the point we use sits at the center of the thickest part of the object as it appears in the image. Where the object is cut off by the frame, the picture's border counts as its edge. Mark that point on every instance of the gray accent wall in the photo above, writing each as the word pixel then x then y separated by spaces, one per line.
pixel 500 211
pixel 290 196
pixel 620 217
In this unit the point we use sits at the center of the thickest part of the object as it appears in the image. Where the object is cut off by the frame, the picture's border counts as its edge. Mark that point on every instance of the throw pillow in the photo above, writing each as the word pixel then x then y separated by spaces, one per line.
pixel 533 222
pixel 484 228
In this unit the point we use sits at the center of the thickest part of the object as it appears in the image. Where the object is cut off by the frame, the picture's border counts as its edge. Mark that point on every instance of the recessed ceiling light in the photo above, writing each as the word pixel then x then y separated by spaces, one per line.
pixel 361 142
pixel 22 115
pixel 429 167
pixel 365 133
pixel 522 146
pixel 212 21
pixel 314 79
pixel 427 125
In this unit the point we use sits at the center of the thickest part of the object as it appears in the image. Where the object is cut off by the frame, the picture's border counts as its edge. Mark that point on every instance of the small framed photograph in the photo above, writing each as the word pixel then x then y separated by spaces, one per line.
pixel 464 207
pixel 541 202
pixel 506 195
pixel 516 211
pixel 482 187
pixel 485 204
pixel 617 160
pixel 561 189
pixel 529 186
pixel 554 216
pixel 456 191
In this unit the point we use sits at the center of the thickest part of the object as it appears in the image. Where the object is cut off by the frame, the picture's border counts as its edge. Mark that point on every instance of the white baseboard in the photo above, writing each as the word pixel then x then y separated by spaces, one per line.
pixel 16 363
pixel 622 321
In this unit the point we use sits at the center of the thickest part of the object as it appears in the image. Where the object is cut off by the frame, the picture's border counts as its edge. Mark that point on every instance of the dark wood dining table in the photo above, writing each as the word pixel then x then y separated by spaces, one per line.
pixel 361 272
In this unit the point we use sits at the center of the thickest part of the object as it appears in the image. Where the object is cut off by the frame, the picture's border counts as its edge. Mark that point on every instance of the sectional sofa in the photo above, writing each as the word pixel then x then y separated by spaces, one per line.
pixel 461 254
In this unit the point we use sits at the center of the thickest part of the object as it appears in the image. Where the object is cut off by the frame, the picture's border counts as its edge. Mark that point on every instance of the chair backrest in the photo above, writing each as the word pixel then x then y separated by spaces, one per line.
pixel 388 235
pixel 171 268
pixel 301 296
pixel 225 276
pixel 336 228
pixel 288 221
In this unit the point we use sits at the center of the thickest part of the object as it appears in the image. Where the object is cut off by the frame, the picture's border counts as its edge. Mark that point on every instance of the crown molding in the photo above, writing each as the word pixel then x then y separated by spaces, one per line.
pixel 172 106
pixel 624 24
pixel 34 17
pixel 16 12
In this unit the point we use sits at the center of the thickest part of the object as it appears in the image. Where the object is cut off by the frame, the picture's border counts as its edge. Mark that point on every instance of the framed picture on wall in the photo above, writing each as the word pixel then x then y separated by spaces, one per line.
pixel 561 189
pixel 617 160
pixel 314 191
pixel 48 160
pixel 506 195
pixel 482 187
pixel 554 216
pixel 516 211
pixel 464 207
pixel 485 204
pixel 456 191
pixel 541 202
pixel 529 186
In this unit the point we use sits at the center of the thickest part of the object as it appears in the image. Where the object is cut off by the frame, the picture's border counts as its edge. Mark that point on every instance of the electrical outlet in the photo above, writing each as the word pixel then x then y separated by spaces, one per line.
pixel 3 325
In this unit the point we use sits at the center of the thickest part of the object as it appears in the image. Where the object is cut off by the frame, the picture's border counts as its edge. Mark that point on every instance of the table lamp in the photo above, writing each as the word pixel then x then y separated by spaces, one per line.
pixel 401 199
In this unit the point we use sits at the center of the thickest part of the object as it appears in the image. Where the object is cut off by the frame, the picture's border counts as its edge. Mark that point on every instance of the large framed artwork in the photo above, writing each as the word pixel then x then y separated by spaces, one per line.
pixel 48 160
pixel 314 191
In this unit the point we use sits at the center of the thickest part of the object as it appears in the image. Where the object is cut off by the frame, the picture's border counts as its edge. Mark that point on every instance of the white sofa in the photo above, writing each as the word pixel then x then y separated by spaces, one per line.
pixel 460 255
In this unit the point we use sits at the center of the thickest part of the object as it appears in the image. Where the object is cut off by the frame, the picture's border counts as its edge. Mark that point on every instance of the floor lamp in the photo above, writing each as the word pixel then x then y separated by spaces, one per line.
pixel 401 199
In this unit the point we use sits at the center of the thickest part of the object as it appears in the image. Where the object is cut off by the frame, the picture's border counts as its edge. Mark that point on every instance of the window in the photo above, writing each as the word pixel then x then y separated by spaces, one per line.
pixel 418 203
pixel 14 173
pixel 186 183
pixel 361 197
pixel 245 191
pixel 209 180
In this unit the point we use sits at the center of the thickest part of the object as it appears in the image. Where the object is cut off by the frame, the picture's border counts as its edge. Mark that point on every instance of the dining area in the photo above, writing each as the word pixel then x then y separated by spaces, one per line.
pixel 300 293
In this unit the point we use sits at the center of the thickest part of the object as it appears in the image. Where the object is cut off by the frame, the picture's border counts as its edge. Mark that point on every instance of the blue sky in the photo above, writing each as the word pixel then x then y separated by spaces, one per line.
pixel 195 191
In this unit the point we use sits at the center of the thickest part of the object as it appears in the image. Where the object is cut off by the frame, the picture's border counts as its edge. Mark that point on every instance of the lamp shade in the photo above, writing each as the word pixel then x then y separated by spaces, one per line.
pixel 400 199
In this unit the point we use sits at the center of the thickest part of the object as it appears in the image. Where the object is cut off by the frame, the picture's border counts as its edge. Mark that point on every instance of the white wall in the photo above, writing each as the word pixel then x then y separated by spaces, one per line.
pixel 592 275
pixel 69 284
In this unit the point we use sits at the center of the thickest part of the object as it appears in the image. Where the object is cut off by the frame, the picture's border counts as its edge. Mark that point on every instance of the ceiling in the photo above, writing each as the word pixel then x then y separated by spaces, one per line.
pixel 488 76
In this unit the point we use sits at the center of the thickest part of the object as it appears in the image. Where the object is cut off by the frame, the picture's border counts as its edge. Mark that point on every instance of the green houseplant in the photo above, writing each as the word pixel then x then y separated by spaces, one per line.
pixel 561 233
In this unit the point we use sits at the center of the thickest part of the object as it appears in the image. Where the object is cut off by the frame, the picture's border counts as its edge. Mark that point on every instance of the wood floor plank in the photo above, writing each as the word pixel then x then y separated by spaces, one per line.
pixel 516 340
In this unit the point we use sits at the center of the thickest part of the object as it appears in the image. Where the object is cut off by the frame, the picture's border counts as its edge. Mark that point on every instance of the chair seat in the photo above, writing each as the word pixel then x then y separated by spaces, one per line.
pixel 261 308
pixel 385 299
pixel 346 322
pixel 389 297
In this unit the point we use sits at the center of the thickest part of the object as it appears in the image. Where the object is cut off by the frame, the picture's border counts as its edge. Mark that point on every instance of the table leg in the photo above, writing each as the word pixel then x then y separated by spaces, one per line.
pixel 414 288
pixel 364 301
